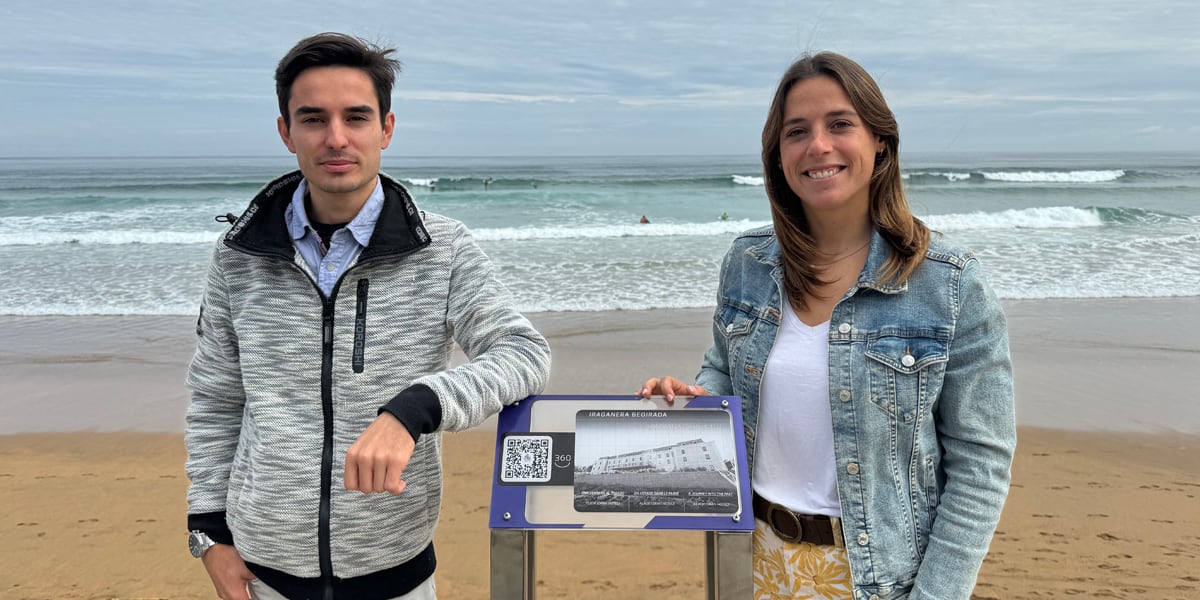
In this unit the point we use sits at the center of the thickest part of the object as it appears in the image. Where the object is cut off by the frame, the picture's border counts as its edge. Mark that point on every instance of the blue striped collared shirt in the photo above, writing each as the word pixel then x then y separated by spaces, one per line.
pixel 345 244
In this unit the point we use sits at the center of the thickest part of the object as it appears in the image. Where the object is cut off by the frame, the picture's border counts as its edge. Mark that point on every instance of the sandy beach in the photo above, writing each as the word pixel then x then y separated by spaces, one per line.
pixel 1105 500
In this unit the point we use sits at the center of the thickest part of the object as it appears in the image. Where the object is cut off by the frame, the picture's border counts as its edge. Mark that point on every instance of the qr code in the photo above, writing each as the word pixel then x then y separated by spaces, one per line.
pixel 526 459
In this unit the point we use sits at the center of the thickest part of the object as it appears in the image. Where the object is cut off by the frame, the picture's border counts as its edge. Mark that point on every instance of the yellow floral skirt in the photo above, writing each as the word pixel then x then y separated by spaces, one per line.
pixel 798 571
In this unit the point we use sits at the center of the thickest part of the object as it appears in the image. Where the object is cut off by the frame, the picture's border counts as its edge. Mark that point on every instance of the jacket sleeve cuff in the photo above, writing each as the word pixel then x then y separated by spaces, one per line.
pixel 213 524
pixel 417 408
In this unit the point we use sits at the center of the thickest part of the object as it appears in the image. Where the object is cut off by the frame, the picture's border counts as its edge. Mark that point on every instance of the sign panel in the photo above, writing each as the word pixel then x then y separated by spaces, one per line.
pixel 621 462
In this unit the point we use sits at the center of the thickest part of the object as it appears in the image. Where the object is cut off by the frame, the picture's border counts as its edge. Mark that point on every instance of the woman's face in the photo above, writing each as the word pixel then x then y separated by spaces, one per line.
pixel 826 151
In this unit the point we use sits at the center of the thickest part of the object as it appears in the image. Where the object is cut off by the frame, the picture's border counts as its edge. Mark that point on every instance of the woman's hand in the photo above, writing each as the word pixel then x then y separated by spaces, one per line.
pixel 668 387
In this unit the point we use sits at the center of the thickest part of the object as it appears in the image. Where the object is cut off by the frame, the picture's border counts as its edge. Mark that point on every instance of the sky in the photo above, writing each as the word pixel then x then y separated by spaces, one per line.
pixel 602 77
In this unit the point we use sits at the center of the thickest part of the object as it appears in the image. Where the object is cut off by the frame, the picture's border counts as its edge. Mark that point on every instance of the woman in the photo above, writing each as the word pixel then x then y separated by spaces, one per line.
pixel 871 358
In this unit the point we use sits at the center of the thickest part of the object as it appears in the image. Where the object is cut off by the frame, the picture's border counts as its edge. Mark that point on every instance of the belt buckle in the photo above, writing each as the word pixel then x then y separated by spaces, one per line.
pixel 774 509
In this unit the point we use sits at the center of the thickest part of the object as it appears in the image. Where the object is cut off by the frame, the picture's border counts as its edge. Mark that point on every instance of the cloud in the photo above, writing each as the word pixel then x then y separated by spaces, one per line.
pixel 715 97
pixel 451 96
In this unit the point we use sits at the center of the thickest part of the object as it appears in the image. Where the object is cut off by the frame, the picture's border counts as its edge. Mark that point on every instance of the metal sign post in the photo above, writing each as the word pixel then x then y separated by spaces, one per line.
pixel 513 572
pixel 728 572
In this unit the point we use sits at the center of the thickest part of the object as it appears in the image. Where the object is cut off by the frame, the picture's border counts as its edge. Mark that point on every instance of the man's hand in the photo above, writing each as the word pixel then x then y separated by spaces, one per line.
pixel 228 572
pixel 379 456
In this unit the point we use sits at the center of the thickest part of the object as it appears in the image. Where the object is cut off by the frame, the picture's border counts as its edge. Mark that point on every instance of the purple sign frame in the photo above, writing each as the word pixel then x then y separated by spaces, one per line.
pixel 509 499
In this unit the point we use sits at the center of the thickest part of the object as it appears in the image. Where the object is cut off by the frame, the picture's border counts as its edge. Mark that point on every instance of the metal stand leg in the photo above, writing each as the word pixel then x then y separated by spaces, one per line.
pixel 730 572
pixel 512 565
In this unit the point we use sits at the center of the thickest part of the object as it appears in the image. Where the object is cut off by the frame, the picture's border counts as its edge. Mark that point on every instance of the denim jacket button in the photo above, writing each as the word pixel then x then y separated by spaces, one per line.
pixel 729 328
pixel 908 360
pixel 852 468
pixel 844 395
pixel 863 539
pixel 844 328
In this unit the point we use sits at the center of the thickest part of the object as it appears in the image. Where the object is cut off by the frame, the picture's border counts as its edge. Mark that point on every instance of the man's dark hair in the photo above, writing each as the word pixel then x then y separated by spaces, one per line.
pixel 341 50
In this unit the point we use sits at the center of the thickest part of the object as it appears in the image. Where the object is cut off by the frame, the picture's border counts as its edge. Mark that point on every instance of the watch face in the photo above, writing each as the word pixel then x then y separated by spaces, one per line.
pixel 196 543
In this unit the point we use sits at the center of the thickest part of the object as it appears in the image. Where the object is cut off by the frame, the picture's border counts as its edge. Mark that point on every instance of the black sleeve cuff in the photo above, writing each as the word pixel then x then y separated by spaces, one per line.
pixel 213 524
pixel 417 408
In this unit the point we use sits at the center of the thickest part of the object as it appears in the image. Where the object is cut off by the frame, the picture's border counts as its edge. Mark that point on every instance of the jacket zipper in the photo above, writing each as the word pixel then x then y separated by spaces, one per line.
pixel 323 527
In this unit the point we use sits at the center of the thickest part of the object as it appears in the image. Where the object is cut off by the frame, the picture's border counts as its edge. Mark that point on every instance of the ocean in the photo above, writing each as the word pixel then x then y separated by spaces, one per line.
pixel 133 236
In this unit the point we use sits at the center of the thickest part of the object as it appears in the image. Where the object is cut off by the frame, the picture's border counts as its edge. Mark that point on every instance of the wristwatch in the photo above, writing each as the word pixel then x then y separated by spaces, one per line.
pixel 199 543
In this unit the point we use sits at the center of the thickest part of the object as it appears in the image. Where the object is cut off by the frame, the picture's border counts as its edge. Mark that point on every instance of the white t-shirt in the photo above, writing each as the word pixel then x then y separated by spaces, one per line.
pixel 793 453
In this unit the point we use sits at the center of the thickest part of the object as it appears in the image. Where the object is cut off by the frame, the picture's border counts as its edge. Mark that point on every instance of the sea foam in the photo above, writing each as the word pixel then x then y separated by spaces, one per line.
pixel 1054 176
pixel 1050 217
pixel 107 237
pixel 617 231
pixel 429 183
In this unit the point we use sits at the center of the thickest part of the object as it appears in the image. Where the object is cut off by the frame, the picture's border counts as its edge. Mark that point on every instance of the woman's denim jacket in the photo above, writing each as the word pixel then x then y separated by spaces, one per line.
pixel 920 387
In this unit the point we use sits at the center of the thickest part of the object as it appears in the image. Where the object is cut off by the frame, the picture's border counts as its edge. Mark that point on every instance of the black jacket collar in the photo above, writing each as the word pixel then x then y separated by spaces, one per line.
pixel 262 231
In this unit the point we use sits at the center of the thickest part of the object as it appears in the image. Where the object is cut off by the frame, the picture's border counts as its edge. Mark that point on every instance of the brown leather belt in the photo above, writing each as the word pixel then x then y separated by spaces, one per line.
pixel 792 527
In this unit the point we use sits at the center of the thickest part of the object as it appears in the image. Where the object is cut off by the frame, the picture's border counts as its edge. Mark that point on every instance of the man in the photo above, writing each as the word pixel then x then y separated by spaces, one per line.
pixel 320 383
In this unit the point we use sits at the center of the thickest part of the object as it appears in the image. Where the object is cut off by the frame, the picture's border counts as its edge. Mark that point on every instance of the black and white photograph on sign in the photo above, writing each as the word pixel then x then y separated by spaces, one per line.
pixel 655 461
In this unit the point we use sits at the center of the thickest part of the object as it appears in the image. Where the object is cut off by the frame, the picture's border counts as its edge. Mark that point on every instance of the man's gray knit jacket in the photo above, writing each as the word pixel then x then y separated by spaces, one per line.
pixel 284 381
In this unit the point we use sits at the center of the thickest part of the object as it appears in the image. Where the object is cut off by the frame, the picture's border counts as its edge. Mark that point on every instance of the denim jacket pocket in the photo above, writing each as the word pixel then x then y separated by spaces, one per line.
pixel 901 367
pixel 734 321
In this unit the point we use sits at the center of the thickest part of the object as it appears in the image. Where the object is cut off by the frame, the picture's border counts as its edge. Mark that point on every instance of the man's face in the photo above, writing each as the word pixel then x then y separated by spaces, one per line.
pixel 336 133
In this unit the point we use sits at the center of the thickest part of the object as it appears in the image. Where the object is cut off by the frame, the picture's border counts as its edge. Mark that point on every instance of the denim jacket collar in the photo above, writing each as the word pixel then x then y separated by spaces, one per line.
pixel 769 253
pixel 869 277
